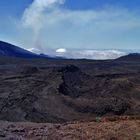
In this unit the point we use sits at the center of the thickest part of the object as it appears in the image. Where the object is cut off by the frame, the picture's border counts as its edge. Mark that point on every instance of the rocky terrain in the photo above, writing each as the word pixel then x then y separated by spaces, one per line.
pixel 41 90
pixel 56 99
pixel 113 128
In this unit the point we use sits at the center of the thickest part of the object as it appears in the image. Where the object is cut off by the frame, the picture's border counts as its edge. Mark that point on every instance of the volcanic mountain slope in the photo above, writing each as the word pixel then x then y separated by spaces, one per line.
pixel 57 93
pixel 130 57
pixel 10 50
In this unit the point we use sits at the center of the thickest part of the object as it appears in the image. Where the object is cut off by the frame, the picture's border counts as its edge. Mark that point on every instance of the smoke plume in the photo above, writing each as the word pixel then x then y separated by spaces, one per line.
pixel 33 17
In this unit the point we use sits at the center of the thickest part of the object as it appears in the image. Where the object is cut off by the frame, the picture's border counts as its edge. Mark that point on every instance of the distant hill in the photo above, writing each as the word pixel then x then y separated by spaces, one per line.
pixel 130 57
pixel 9 50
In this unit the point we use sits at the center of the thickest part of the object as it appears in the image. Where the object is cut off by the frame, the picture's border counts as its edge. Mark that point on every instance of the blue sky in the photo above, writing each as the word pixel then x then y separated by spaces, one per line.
pixel 71 24
pixel 16 7
pixel 91 4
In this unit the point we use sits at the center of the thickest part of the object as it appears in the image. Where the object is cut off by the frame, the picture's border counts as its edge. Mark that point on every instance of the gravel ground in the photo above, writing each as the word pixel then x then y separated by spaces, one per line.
pixel 104 129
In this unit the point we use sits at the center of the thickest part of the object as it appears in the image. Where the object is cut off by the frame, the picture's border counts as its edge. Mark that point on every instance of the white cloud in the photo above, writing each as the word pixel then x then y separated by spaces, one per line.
pixel 61 50
pixel 82 54
pixel 90 29
pixel 90 54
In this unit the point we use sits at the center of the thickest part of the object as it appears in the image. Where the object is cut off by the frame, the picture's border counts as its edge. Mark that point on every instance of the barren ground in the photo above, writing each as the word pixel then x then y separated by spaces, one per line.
pixel 46 100
pixel 122 128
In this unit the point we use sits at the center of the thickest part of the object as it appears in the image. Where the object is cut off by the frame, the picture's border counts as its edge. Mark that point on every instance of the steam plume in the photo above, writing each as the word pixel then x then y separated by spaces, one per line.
pixel 33 16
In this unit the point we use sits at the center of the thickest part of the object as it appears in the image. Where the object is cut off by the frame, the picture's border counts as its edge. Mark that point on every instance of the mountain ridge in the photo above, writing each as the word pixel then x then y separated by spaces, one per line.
pixel 130 57
pixel 10 50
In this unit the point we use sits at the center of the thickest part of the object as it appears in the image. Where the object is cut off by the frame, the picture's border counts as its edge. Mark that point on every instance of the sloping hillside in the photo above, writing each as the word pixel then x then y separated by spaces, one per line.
pixel 10 50
pixel 133 57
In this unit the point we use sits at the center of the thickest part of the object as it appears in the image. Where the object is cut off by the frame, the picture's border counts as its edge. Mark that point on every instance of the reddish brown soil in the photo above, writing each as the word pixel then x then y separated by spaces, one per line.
pixel 124 128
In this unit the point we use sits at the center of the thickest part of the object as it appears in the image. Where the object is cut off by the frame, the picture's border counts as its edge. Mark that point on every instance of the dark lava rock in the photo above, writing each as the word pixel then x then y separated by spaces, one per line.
pixel 74 92
pixel 30 70
pixel 2 134
pixel 69 68
pixel 74 81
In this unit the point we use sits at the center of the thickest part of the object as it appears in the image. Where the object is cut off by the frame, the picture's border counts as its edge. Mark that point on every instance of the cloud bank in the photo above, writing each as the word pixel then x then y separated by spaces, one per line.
pixel 89 54
pixel 83 54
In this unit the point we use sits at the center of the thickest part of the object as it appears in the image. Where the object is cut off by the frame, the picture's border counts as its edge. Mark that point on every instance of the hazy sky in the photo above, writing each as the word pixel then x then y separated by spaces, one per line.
pixel 71 24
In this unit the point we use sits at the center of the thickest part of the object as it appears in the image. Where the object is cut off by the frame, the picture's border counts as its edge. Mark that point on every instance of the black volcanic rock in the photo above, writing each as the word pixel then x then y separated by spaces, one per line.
pixel 74 81
pixel 10 50
pixel 41 90
pixel 70 68
pixel 30 70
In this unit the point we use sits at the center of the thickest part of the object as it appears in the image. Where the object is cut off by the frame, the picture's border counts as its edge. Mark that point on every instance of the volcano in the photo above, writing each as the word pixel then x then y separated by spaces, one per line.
pixel 9 50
